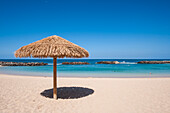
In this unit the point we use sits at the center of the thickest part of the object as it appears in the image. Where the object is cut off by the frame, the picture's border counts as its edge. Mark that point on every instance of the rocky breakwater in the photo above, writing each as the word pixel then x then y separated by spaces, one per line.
pixel 154 62
pixel 75 63
pixel 22 64
pixel 108 62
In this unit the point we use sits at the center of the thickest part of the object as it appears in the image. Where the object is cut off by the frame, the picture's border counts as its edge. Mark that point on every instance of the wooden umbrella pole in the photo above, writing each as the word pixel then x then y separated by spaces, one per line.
pixel 54 78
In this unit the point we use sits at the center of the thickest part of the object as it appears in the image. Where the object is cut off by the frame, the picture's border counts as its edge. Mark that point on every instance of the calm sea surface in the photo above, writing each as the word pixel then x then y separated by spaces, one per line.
pixel 127 68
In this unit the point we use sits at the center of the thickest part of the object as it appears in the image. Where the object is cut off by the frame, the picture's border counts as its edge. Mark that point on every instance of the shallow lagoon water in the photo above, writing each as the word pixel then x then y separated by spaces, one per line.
pixel 127 68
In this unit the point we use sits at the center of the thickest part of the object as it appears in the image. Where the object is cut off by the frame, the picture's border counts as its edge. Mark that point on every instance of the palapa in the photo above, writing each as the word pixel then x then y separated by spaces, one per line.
pixel 53 46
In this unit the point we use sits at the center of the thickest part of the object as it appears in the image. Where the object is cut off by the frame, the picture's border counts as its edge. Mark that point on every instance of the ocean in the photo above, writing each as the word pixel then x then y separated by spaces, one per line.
pixel 127 68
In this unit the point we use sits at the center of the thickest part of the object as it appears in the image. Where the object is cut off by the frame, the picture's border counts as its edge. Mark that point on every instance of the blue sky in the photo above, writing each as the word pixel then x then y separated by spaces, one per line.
pixel 106 28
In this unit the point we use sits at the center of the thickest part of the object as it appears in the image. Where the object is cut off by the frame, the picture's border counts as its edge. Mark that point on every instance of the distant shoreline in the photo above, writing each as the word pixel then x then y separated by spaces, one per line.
pixel 84 58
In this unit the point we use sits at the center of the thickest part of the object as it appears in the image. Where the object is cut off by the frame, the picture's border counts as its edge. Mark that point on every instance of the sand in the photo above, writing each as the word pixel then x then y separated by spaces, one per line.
pixel 21 94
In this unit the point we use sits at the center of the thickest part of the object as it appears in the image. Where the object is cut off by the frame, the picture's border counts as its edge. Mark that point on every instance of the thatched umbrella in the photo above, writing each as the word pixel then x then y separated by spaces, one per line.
pixel 53 46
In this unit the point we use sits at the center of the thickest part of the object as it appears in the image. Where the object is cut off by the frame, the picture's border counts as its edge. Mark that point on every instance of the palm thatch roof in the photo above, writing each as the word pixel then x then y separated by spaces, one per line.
pixel 53 46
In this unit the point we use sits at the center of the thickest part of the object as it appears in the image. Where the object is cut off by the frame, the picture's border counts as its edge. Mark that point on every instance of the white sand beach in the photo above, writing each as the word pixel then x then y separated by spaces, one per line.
pixel 21 94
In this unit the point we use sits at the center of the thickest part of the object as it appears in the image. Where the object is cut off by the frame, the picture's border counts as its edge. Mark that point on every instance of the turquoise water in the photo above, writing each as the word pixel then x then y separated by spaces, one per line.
pixel 127 68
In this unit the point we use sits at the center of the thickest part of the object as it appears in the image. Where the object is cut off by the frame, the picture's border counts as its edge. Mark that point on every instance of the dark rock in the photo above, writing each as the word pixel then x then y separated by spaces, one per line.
pixel 22 64
pixel 108 62
pixel 154 62
pixel 75 63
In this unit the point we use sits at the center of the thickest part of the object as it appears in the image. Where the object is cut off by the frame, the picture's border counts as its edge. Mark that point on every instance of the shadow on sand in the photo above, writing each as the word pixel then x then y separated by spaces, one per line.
pixel 68 92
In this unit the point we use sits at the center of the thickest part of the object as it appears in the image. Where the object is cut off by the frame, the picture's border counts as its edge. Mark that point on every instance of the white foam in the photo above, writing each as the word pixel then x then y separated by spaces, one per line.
pixel 59 64
pixel 128 62
pixel 51 64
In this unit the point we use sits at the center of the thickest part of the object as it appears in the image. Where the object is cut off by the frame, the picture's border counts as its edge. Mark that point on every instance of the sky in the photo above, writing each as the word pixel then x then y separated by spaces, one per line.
pixel 116 29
